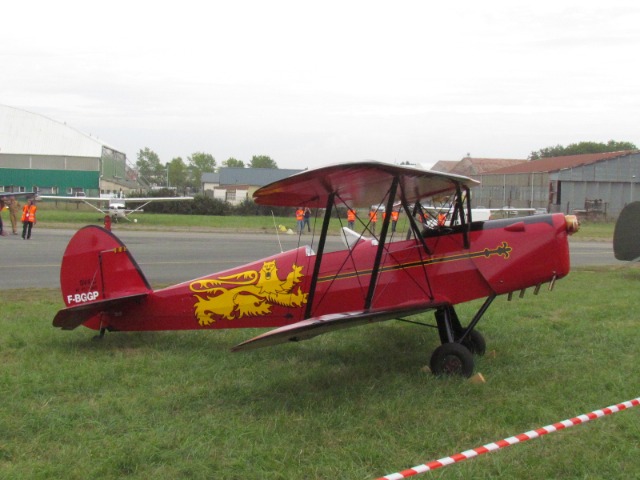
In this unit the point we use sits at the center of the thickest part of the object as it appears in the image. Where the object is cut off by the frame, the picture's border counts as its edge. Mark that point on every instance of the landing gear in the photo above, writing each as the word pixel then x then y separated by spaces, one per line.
pixel 452 359
pixel 100 335
pixel 459 344
pixel 475 342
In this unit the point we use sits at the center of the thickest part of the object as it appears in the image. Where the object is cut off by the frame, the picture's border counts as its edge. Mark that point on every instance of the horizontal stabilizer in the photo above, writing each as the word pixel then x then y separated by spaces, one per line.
pixel 350 238
pixel 72 317
pixel 312 327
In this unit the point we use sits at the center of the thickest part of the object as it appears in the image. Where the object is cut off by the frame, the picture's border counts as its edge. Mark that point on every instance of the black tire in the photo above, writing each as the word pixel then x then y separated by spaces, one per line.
pixel 452 359
pixel 475 343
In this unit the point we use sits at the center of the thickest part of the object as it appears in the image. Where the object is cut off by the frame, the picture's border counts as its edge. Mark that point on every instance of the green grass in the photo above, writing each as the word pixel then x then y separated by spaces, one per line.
pixel 356 404
pixel 71 215
pixel 595 231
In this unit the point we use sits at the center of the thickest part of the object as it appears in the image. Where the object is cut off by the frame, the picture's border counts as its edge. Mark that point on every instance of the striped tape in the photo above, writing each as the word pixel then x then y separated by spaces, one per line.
pixel 523 437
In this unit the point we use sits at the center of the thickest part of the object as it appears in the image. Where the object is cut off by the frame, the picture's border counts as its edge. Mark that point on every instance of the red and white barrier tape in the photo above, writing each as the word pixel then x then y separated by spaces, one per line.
pixel 523 437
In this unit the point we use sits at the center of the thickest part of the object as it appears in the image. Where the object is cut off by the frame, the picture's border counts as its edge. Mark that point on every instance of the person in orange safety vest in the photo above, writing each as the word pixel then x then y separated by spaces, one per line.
pixel 300 219
pixel 373 218
pixel 351 218
pixel 395 214
pixel 28 218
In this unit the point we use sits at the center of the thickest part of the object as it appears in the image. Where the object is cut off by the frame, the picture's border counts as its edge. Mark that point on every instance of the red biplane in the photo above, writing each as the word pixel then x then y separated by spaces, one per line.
pixel 305 292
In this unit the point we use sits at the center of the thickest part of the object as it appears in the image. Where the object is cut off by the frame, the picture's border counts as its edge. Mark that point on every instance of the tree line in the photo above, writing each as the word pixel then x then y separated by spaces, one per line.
pixel 185 176
pixel 581 148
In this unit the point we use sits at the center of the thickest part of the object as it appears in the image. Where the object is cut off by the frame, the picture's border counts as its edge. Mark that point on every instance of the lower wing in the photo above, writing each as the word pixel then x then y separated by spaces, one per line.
pixel 312 327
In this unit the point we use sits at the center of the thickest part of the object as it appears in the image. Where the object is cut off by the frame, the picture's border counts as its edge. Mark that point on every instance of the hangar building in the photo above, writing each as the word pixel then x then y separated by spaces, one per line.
pixel 596 185
pixel 41 154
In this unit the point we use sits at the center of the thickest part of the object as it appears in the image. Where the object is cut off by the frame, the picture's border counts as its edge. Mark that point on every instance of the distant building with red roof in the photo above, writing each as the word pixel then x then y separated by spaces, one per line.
pixel 472 167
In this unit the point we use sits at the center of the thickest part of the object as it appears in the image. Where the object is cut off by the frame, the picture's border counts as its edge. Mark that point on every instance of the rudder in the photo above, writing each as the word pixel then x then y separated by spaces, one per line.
pixel 97 266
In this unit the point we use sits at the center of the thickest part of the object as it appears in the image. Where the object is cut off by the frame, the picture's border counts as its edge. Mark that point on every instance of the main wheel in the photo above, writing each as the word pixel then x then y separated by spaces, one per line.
pixel 452 359
pixel 475 343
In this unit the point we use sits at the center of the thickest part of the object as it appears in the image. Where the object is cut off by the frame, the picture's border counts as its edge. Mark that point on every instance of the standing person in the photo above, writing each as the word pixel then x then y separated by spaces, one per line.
pixel 28 218
pixel 395 214
pixel 373 219
pixel 1 208
pixel 351 218
pixel 307 216
pixel 300 219
pixel 14 208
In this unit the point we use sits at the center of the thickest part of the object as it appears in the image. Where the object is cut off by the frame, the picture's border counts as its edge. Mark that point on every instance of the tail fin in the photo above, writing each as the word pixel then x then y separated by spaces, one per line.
pixel 97 273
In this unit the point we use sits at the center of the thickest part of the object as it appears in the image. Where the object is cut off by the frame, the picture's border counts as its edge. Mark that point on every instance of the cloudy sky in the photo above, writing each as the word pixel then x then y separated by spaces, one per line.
pixel 312 83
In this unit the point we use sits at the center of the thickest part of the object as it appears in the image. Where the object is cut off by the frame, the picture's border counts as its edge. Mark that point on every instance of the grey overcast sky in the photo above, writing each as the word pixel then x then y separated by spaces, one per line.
pixel 311 83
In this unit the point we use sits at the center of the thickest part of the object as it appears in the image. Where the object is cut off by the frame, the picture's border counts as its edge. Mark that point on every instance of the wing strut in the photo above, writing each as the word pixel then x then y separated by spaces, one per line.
pixel 93 206
pixel 139 207
pixel 381 243
pixel 463 213
pixel 417 231
pixel 467 194
pixel 319 253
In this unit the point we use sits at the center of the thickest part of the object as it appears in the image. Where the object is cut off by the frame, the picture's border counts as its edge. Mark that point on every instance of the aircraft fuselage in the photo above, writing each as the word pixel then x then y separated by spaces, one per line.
pixel 503 256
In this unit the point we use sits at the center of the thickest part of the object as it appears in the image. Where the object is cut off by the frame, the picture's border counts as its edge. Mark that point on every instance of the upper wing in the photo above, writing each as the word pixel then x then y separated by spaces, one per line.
pixel 152 199
pixel 144 201
pixel 18 194
pixel 312 327
pixel 358 184
pixel 62 198
pixel 112 199
pixel 86 200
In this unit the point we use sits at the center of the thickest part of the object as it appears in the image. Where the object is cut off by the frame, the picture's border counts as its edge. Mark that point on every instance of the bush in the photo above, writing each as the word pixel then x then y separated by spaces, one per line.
pixel 205 205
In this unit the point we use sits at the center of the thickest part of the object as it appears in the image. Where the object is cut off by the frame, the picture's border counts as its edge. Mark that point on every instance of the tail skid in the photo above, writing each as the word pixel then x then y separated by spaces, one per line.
pixel 98 276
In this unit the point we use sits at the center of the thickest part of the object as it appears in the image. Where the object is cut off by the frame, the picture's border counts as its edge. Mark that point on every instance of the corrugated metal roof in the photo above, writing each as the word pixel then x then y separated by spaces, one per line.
pixel 210 177
pixel 253 176
pixel 27 133
pixel 553 164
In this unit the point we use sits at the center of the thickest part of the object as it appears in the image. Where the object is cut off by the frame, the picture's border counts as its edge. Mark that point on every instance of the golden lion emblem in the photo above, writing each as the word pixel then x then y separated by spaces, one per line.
pixel 254 294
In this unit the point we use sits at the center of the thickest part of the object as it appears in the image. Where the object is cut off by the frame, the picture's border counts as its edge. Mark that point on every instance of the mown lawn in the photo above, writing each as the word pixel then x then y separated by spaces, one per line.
pixel 355 404
pixel 73 216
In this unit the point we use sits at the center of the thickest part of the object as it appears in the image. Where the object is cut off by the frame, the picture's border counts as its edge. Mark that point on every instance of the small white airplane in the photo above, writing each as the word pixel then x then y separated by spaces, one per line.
pixel 4 195
pixel 444 213
pixel 116 206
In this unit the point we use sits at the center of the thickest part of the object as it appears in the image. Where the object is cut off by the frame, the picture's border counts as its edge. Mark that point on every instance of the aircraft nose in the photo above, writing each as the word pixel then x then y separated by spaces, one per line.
pixel 573 225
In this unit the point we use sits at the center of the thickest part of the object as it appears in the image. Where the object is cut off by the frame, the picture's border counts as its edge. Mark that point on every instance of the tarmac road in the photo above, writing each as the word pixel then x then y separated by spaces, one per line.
pixel 167 258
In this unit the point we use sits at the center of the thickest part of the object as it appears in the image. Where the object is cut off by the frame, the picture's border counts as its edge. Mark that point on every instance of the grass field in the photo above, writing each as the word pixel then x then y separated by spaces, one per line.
pixel 355 404
pixel 73 216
